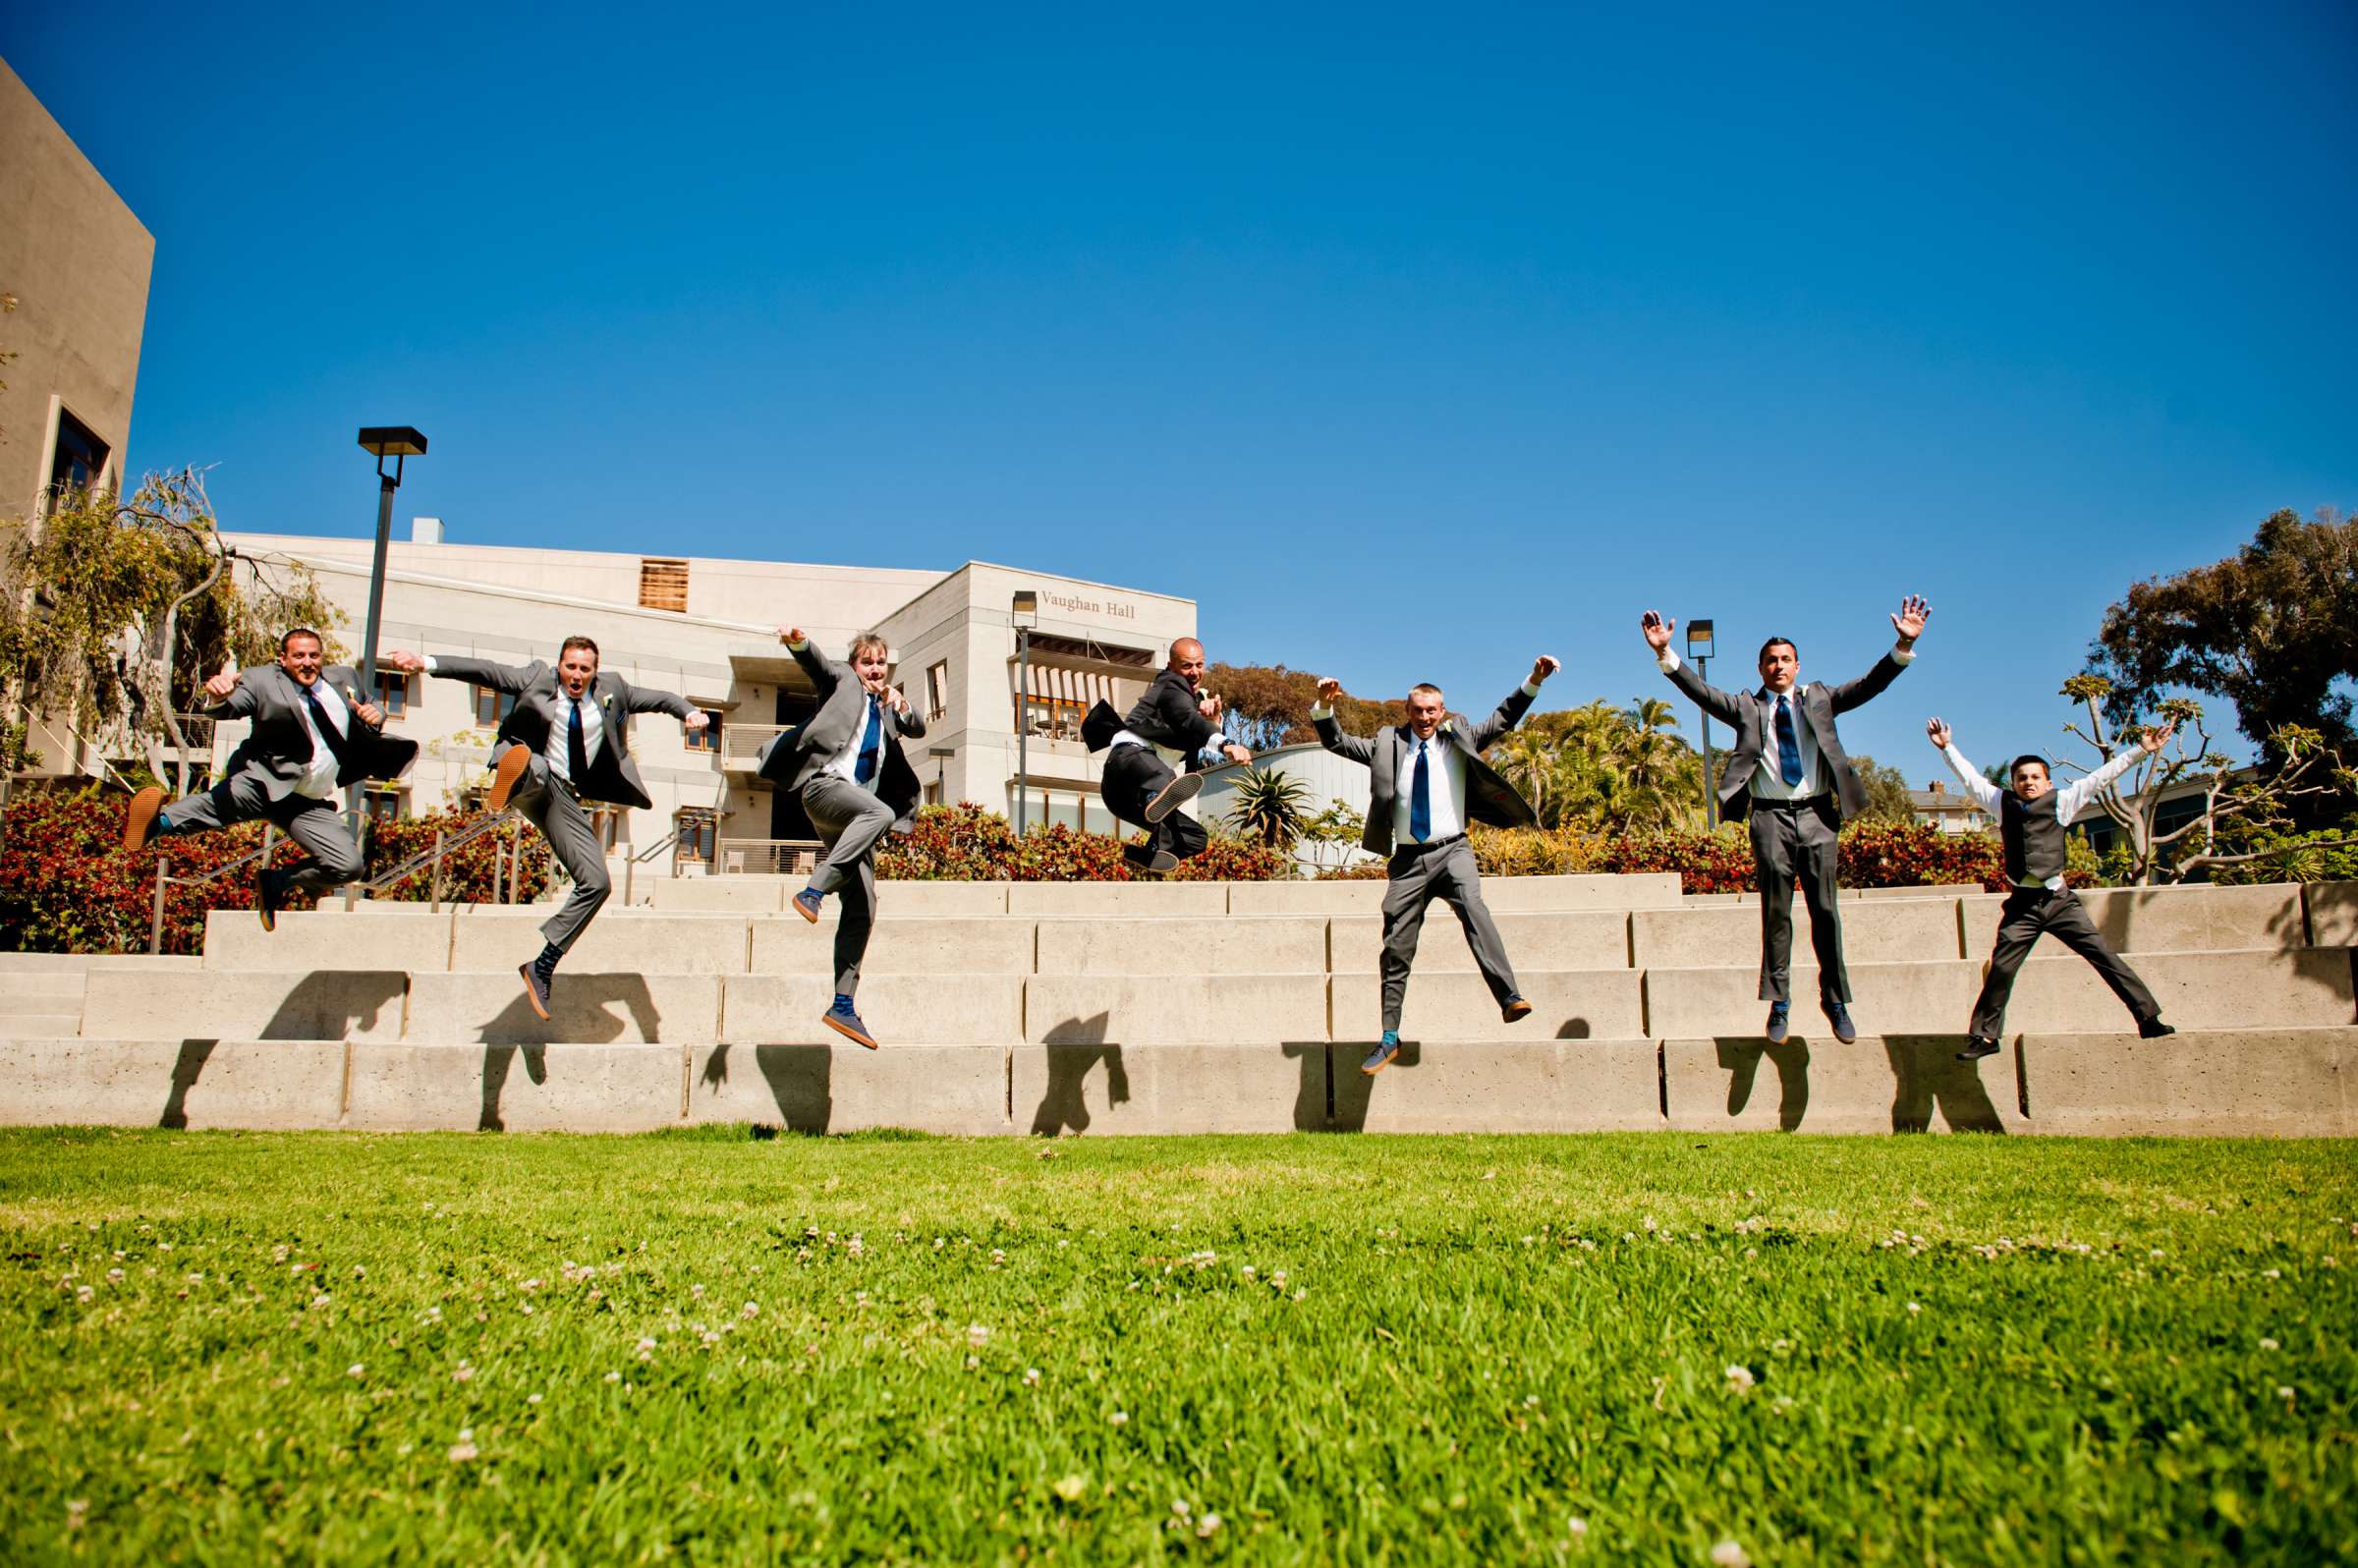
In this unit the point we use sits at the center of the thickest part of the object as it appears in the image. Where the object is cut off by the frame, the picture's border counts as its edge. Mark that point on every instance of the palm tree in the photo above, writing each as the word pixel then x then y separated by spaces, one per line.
pixel 1528 761
pixel 1268 806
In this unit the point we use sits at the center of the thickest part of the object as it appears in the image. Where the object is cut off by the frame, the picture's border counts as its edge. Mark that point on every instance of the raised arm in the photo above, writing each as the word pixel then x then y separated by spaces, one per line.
pixel 646 700
pixel 1713 700
pixel 1985 794
pixel 1908 622
pixel 2079 792
pixel 1356 747
pixel 826 673
pixel 230 694
pixel 1518 702
pixel 453 667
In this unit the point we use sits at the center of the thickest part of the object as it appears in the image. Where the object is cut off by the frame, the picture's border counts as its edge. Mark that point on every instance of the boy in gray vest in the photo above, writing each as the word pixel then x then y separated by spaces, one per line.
pixel 2032 817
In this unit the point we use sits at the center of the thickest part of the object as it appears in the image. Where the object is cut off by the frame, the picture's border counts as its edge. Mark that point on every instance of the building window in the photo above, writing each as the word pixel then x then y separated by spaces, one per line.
pixel 392 694
pixel 80 460
pixel 492 707
pixel 1079 810
pixel 1055 718
pixel 933 793
pixel 699 833
pixel 383 805
pixel 706 739
pixel 663 585
pixel 938 689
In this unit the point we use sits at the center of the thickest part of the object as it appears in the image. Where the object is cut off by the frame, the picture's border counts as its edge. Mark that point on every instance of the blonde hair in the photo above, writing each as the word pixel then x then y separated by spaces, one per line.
pixel 868 640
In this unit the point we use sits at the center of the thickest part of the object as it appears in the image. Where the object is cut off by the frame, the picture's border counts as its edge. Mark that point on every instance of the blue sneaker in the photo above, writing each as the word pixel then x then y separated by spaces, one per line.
pixel 1382 1056
pixel 1839 1015
pixel 1781 1016
pixel 805 904
pixel 843 1020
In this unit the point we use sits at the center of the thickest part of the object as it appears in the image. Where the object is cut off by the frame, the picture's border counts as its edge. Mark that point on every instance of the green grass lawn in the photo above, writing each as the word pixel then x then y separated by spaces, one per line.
pixel 1312 1348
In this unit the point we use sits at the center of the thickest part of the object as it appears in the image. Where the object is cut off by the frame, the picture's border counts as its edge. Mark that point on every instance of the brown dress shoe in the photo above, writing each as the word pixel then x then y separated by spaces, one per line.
pixel 145 807
pixel 512 763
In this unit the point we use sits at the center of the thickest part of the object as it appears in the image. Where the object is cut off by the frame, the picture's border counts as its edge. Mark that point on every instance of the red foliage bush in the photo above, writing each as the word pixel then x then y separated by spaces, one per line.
pixel 964 843
pixel 67 885
pixel 1888 855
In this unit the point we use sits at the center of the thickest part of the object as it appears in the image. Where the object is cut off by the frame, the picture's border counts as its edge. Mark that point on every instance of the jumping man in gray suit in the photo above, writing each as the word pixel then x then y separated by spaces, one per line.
pixel 564 745
pixel 1788 774
pixel 846 760
pixel 1426 782
pixel 312 735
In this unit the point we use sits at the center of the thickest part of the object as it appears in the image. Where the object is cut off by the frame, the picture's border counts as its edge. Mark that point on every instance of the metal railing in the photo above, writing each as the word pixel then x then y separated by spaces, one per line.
pixel 741 745
pixel 767 857
pixel 164 878
pixel 444 844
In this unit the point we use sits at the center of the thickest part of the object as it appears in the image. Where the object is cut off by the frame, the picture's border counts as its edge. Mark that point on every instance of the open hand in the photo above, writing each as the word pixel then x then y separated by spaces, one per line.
pixel 1938 729
pixel 2154 740
pixel 226 682
pixel 1545 665
pixel 1909 620
pixel 402 659
pixel 1329 689
pixel 1657 631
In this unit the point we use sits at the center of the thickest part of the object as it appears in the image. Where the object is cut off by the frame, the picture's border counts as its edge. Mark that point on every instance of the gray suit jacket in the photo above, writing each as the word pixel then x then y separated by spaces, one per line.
pixel 540 702
pixel 1747 714
pixel 278 749
pixel 794 757
pixel 1489 799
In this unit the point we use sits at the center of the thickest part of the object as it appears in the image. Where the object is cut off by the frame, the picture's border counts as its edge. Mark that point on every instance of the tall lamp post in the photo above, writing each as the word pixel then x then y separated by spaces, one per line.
pixel 382 441
pixel 1024 604
pixel 1699 654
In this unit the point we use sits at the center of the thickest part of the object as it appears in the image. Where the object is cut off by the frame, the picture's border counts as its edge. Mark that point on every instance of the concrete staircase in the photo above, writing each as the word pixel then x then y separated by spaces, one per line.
pixel 1191 1007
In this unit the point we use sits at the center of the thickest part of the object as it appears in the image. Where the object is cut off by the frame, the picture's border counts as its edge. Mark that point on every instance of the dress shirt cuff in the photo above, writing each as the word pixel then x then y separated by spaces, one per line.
pixel 1901 653
pixel 431 664
pixel 1668 661
pixel 1531 688
pixel 1318 710
pixel 797 648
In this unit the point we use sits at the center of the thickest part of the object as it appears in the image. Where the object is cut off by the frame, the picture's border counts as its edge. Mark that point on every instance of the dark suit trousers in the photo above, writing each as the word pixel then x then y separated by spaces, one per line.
pixel 1135 775
pixel 334 857
pixel 1420 874
pixel 557 811
pixel 850 819
pixel 2029 913
pixel 1797 842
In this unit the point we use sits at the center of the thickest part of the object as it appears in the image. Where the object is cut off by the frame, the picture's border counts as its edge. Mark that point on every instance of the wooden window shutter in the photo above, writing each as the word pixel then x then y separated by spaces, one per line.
pixel 663 585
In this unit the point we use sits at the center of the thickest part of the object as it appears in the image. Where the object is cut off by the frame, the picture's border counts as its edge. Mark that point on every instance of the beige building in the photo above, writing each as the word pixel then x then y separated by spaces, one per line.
pixel 707 629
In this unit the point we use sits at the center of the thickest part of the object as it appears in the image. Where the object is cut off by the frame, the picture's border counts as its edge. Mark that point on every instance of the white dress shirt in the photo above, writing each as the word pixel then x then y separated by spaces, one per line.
pixel 848 764
pixel 1444 783
pixel 1769 778
pixel 2069 799
pixel 558 753
pixel 318 781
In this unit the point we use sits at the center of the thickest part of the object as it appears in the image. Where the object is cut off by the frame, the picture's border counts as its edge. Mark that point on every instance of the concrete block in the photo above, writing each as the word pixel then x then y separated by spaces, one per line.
pixel 943 900
pixel 1567 1004
pixel 1922 998
pixel 2270 1083
pixel 321 1004
pixel 1545 894
pixel 26 1024
pixel 1593 939
pixel 1874 931
pixel 1092 1087
pixel 78 963
pixel 1501 1085
pixel 1161 900
pixel 2239 990
pixel 1354 897
pixel 327 938
pixel 496 940
pixel 708 895
pixel 1880 1083
pixel 841 1088
pixel 38 987
pixel 2166 919
pixel 1215 945
pixel 171 1082
pixel 899 1009
pixel 1174 1009
pixel 587 1007
pixel 2332 914
pixel 788 944
pixel 568 1088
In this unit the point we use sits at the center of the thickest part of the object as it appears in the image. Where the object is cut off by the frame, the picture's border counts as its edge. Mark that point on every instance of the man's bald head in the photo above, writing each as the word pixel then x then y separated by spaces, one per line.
pixel 1187 659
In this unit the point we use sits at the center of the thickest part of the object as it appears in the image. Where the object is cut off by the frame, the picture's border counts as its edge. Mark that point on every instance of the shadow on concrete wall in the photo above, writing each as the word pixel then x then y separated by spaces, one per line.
pixel 331 1004
pixel 1740 1057
pixel 193 1053
pixel 1073 1047
pixel 801 1081
pixel 1351 1091
pixel 1314 1088
pixel 587 1009
pixel 1926 1075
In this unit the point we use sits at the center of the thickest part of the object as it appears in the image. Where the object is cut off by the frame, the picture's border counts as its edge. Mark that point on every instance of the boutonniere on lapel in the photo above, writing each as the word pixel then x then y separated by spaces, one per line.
pixel 1446 728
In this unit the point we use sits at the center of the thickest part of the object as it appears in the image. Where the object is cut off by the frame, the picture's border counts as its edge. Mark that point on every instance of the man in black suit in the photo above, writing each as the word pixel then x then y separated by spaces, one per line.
pixel 564 745
pixel 311 736
pixel 846 760
pixel 1140 786
pixel 1427 782
pixel 1789 774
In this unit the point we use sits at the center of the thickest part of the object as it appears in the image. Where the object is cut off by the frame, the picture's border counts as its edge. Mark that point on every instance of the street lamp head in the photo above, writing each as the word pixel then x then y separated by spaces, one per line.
pixel 1027 601
pixel 392 440
pixel 1698 640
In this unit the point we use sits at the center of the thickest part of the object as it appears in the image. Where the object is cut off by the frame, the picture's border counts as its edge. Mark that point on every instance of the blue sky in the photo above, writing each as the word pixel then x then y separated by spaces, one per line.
pixel 1409 344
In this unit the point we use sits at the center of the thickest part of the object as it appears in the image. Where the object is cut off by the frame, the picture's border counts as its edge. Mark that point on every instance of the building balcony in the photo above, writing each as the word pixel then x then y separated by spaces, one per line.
pixel 741 745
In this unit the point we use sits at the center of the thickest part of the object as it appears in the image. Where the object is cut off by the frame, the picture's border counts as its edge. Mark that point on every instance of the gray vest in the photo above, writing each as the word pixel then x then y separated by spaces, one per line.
pixel 2033 837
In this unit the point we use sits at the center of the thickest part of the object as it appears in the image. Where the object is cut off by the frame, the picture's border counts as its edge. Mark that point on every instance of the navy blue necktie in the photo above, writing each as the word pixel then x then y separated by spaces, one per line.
pixel 871 744
pixel 1420 799
pixel 1788 744
pixel 335 737
pixel 577 747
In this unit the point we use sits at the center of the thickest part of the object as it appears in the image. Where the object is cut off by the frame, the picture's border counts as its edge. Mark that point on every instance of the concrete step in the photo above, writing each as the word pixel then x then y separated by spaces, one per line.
pixel 1212 944
pixel 1173 1009
pixel 1518 894
pixel 2293 1081
pixel 1567 1004
pixel 1569 939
